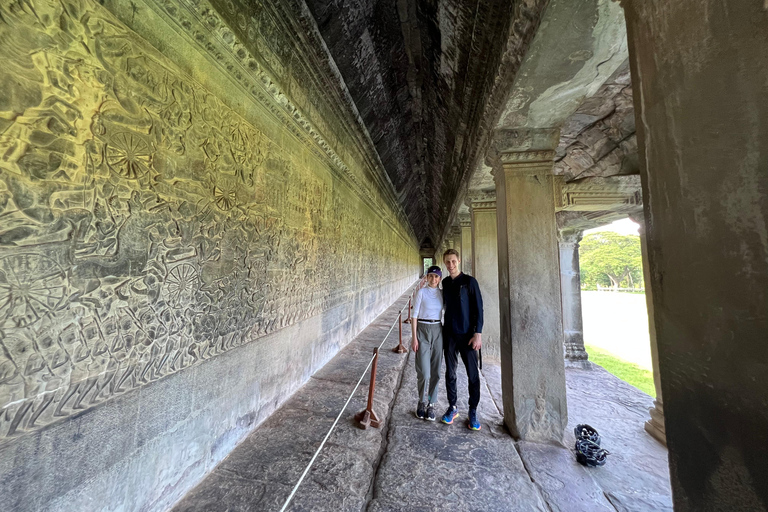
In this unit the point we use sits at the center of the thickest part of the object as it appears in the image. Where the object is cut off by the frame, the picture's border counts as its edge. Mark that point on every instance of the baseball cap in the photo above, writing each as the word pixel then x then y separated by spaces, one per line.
pixel 434 269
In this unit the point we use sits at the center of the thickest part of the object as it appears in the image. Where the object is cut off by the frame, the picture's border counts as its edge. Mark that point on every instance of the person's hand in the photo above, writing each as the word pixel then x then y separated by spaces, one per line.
pixel 476 343
pixel 415 344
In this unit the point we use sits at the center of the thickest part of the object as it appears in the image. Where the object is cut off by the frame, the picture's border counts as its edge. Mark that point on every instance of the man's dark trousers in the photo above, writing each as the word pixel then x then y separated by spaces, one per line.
pixel 459 344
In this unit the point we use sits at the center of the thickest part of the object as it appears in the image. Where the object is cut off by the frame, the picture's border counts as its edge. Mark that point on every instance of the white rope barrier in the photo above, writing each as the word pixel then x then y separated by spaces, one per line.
pixel 336 421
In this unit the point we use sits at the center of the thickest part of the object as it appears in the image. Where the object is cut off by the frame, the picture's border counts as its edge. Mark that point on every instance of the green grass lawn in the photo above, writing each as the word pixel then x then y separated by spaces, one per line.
pixel 641 378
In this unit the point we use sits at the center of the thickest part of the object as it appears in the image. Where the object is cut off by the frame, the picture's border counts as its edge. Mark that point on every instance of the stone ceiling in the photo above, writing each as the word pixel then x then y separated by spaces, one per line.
pixel 599 138
pixel 422 75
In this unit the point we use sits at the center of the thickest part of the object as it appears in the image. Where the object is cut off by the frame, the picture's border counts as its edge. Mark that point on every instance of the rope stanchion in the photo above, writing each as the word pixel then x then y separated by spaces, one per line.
pixel 344 408
pixel 408 320
pixel 367 417
pixel 400 348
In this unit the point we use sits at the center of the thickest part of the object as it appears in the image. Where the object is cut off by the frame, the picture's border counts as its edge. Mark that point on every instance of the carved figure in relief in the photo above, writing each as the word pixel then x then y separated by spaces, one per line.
pixel 139 230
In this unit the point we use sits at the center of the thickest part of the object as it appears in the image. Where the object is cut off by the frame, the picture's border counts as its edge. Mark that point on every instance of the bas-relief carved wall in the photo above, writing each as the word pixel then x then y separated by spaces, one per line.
pixel 144 225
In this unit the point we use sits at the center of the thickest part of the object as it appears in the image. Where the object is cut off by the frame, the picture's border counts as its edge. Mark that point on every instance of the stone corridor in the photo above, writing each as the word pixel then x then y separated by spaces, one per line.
pixel 210 211
pixel 414 465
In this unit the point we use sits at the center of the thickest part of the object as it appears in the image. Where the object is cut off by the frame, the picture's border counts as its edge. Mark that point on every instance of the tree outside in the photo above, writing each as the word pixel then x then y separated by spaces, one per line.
pixel 609 259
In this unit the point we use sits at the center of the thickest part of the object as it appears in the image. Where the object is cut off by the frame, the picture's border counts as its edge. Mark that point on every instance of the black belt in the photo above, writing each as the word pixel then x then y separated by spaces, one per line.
pixel 428 321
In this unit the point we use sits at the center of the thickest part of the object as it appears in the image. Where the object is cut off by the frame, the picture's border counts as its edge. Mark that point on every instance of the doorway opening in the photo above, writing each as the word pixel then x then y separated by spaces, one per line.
pixel 426 263
pixel 613 303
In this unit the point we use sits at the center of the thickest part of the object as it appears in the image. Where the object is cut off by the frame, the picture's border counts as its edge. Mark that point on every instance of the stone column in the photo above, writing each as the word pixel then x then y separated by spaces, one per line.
pixel 655 425
pixel 533 370
pixel 466 244
pixel 457 242
pixel 570 287
pixel 485 255
pixel 700 99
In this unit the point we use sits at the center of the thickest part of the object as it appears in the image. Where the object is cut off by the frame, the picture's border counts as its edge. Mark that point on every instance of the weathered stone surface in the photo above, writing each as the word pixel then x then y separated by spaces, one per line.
pixel 145 449
pixel 164 202
pixel 485 255
pixel 570 290
pixel 637 466
pixel 421 465
pixel 261 472
pixel 529 298
pixel 432 466
pixel 705 173
pixel 156 235
pixel 466 244
pixel 578 46
pixel 599 138
pixel 636 476
pixel 566 485
pixel 427 79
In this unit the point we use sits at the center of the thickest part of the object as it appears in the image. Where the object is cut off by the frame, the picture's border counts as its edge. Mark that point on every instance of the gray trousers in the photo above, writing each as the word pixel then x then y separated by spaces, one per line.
pixel 429 359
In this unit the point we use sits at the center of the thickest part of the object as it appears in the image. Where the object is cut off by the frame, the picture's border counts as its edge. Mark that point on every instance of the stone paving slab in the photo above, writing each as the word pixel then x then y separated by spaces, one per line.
pixel 416 465
pixel 636 476
pixel 432 466
pixel 261 472
pixel 567 485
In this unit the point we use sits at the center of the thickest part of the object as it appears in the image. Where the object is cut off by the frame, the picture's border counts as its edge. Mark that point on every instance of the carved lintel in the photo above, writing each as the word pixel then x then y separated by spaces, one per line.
pixel 525 140
pixel 617 193
pixel 526 163
pixel 522 146
pixel 586 220
pixel 465 220
pixel 544 156
pixel 480 200
pixel 484 205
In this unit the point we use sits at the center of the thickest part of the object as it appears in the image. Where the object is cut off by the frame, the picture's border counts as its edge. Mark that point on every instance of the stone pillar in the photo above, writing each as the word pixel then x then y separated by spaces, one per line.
pixel 700 99
pixel 533 370
pixel 457 242
pixel 466 245
pixel 655 425
pixel 485 256
pixel 570 288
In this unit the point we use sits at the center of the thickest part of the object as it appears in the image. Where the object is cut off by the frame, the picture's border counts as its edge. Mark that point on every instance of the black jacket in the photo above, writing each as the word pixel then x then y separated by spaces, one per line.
pixel 463 305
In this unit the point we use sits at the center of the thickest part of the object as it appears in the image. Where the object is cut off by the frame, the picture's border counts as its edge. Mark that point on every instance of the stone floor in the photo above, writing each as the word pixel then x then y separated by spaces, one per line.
pixel 410 464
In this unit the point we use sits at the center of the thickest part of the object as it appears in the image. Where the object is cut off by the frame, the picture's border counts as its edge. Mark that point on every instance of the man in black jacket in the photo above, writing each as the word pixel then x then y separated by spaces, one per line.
pixel 462 335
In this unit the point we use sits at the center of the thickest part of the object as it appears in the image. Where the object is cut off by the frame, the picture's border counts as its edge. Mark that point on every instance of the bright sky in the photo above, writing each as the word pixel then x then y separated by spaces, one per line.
pixel 622 227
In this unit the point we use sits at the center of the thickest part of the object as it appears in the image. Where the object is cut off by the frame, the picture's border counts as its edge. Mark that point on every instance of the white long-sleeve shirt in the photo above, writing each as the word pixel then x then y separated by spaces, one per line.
pixel 429 304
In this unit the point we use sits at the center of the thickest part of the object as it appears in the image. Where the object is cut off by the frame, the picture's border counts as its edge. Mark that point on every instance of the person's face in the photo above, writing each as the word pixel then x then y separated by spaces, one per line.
pixel 433 280
pixel 452 264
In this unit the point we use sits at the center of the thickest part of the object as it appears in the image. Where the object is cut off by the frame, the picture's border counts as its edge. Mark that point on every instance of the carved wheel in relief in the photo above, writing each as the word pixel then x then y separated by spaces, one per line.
pixel 181 283
pixel 128 155
pixel 31 285
pixel 224 194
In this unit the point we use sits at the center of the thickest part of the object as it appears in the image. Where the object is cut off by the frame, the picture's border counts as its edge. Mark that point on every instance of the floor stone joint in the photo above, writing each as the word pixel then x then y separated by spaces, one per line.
pixel 385 435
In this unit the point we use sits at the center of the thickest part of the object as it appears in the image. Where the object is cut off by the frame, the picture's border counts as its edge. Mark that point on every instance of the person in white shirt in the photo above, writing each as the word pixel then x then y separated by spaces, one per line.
pixel 427 342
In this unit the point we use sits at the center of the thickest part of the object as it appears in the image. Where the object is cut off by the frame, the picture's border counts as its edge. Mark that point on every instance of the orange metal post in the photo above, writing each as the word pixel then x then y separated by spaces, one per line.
pixel 400 348
pixel 408 320
pixel 368 418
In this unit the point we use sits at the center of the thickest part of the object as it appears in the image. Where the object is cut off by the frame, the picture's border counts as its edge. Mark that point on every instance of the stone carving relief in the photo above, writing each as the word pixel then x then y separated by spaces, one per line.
pixel 614 193
pixel 144 226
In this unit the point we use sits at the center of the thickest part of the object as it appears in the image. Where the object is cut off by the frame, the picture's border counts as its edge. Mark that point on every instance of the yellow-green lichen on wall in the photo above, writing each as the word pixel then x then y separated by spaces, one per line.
pixel 147 224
